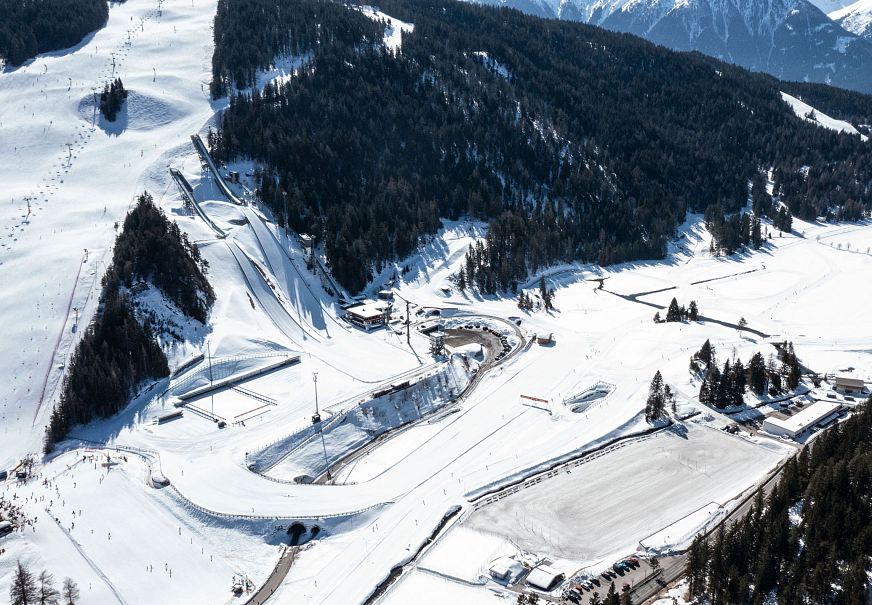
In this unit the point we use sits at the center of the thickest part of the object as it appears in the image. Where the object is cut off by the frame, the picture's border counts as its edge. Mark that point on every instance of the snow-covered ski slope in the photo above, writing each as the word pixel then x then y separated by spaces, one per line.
pixel 80 175
pixel 218 518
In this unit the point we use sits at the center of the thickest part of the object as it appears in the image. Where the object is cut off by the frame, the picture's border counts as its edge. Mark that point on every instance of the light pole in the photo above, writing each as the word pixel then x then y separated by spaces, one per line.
pixel 285 197
pixel 209 356
pixel 317 417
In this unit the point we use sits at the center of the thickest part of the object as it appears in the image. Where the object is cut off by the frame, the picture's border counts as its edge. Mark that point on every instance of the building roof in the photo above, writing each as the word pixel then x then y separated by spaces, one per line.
pixel 506 568
pixel 369 310
pixel 804 419
pixel 850 382
pixel 544 577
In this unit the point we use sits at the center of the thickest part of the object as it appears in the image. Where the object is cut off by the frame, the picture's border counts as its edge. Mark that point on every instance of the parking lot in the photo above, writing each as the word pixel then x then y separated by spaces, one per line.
pixel 626 573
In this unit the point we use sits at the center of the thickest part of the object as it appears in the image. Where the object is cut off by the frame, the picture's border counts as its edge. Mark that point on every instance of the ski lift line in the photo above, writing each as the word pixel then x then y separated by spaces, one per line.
pixel 88 560
pixel 63 330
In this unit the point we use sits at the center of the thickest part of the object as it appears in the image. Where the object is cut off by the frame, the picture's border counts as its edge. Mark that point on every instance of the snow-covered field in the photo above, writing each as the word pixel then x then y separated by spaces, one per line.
pixel 218 518
pixel 605 507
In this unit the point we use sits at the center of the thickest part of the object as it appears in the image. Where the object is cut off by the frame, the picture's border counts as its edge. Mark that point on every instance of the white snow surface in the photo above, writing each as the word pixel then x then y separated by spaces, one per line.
pixel 810 114
pixel 393 37
pixel 856 17
pixel 386 504
pixel 674 475
pixel 829 6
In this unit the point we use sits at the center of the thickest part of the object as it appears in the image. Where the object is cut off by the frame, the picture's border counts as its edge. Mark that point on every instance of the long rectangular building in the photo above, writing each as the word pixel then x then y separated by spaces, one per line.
pixel 801 422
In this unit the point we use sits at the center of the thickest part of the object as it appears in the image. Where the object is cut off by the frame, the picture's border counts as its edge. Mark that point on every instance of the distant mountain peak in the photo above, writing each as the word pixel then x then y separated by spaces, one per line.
pixel 791 39
pixel 856 18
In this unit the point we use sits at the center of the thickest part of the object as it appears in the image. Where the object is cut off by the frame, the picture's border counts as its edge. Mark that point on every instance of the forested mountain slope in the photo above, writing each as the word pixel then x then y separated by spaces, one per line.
pixel 790 39
pixel 577 143
pixel 30 27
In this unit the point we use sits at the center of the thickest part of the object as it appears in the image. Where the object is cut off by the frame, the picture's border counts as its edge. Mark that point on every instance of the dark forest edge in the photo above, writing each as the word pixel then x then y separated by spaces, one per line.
pixel 37 26
pixel 492 114
pixel 809 540
pixel 118 350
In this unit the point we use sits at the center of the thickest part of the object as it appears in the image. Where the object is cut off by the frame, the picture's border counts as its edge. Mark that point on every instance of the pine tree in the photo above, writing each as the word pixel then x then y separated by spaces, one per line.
pixel 756 235
pixel 738 383
pixel 545 294
pixel 669 397
pixel 611 596
pixel 792 371
pixel 673 313
pixel 774 377
pixel 709 392
pixel 706 353
pixel 782 220
pixel 757 371
pixel 657 319
pixel 724 387
pixel 693 311
pixel 23 590
pixel 112 99
pixel 655 406
pixel 70 591
pixel 47 594
pixel 697 562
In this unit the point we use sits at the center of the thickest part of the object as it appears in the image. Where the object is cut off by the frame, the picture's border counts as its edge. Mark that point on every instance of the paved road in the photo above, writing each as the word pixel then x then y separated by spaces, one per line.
pixel 276 577
pixel 702 318
pixel 488 340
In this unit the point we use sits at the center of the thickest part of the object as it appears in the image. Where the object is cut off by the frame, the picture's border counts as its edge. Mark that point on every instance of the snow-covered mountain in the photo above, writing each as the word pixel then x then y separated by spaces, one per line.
pixel 856 18
pixel 828 6
pixel 791 39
